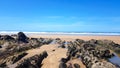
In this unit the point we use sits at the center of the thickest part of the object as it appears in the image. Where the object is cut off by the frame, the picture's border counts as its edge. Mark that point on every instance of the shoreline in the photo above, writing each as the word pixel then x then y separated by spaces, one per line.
pixel 116 39
pixel 65 33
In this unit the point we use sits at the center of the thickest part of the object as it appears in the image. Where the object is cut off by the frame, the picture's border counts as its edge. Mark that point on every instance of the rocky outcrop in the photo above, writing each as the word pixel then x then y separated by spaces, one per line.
pixel 18 57
pixel 60 42
pixel 6 37
pixel 33 62
pixel 12 59
pixel 11 50
pixel 106 44
pixel 90 53
pixel 22 37
pixel 103 65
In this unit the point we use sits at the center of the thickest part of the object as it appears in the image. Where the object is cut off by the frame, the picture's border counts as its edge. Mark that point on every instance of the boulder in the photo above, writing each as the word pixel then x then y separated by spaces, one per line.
pixel 62 65
pixel 63 60
pixel 76 65
pixel 22 37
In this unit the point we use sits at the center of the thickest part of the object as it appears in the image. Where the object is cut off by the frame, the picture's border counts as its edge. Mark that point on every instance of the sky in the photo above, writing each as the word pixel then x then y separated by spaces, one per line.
pixel 60 15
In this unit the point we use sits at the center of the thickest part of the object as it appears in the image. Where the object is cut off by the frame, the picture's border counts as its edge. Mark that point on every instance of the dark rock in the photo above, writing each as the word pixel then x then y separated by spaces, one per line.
pixel 33 62
pixel 57 39
pixel 3 65
pixel 53 50
pixel 62 65
pixel 7 37
pixel 11 59
pixel 62 45
pixel 22 37
pixel 17 58
pixel 76 65
pixel 34 39
pixel 0 46
pixel 63 60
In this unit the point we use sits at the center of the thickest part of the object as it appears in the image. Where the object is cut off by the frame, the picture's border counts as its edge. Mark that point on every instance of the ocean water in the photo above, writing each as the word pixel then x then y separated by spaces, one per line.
pixel 65 33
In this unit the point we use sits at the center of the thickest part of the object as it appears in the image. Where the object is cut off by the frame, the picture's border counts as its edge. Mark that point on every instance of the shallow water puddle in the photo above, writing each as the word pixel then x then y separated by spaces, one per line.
pixel 115 59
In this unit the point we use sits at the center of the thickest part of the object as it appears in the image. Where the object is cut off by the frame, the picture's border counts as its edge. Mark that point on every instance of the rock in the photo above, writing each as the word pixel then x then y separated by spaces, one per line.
pixel 62 45
pixel 57 39
pixel 89 52
pixel 22 37
pixel 33 62
pixel 53 50
pixel 3 65
pixel 6 37
pixel 47 41
pixel 62 65
pixel 76 65
pixel 92 41
pixel 11 59
pixel 18 57
pixel 0 46
pixel 103 65
pixel 63 60
pixel 80 41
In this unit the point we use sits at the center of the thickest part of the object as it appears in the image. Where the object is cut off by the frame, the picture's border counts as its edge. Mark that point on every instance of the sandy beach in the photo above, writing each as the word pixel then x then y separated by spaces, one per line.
pixel 55 50
pixel 116 39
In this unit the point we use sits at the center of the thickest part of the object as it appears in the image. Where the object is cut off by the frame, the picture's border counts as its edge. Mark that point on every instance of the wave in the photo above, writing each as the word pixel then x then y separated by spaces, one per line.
pixel 64 33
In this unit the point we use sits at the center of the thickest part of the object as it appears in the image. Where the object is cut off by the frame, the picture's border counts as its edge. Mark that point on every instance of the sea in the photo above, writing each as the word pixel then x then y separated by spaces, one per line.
pixel 65 33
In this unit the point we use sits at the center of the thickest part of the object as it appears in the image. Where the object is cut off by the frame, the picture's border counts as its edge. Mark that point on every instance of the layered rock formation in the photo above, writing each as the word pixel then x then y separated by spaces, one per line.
pixel 90 53
pixel 12 47
pixel 33 62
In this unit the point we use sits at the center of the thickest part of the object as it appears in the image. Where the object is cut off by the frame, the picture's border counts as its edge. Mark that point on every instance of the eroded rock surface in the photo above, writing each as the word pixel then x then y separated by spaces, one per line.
pixel 90 53
pixel 33 62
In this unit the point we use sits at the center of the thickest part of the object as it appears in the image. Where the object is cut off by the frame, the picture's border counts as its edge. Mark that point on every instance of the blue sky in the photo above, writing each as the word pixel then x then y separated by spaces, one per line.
pixel 60 15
